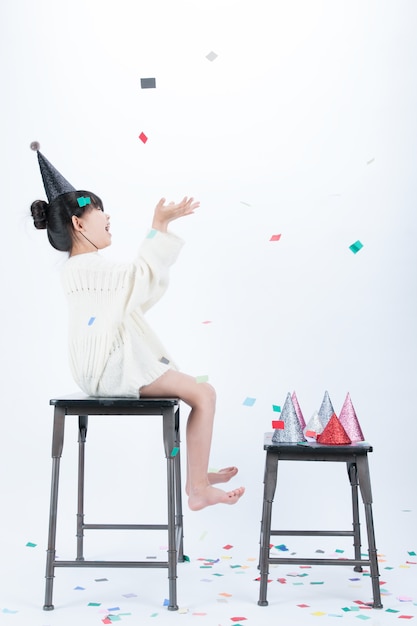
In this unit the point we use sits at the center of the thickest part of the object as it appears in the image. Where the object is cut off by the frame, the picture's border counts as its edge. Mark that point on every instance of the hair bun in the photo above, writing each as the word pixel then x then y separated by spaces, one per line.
pixel 39 210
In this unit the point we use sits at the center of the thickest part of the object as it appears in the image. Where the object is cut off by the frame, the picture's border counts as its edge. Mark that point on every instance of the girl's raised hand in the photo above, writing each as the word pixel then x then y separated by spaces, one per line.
pixel 165 213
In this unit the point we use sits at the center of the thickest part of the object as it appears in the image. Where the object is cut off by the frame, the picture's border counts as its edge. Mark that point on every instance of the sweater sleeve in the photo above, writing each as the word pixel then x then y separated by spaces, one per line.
pixel 150 273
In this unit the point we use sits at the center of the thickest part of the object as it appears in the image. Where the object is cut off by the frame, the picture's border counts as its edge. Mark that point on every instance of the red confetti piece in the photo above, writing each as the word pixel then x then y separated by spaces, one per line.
pixel 106 621
pixel 311 433
pixel 278 424
pixel 303 606
pixel 275 238
pixel 282 581
pixel 405 616
pixel 227 547
pixel 143 137
pixel 206 322
pixel 237 619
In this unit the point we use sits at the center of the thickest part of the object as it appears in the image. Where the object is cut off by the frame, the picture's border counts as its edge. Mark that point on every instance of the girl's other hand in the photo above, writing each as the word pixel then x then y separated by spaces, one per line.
pixel 166 213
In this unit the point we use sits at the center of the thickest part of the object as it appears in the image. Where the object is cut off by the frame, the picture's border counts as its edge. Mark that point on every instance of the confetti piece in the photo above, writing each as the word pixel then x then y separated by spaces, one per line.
pixel 79 588
pixel 318 613
pixel 405 616
pixel 9 611
pixel 275 238
pixel 338 551
pixel 186 558
pixel 404 599
pixel 362 616
pixel 91 321
pixel 202 379
pixel 182 611
pixel 412 553
pixel 245 203
pixel 355 247
pixel 174 451
pixel 370 161
pixel 129 595
pixel 211 56
pixel 166 602
pixel 226 595
pixel 276 408
pixel 318 582
pixel 238 619
pixel 249 401
pixel 101 580
pixel 143 137
pixel 94 604
pixel 31 545
pixel 106 621
pixel 148 83
pixel 227 546
pixel 282 547
pixel 151 235
pixel 83 201
pixel 278 424
pixel 206 322
pixel 114 608
pixel 303 606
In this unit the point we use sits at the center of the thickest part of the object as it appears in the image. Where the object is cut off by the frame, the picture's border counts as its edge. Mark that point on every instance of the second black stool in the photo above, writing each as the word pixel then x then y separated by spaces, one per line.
pixel 356 458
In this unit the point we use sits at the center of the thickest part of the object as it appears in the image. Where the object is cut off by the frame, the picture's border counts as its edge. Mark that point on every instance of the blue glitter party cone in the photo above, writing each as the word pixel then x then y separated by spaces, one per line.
pixel 326 410
pixel 292 431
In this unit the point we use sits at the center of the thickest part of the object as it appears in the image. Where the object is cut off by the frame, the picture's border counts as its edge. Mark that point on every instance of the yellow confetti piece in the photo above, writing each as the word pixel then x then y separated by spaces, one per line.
pixel 318 613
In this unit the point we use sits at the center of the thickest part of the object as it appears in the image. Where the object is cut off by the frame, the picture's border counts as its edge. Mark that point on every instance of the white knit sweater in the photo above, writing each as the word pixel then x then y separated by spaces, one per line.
pixel 112 349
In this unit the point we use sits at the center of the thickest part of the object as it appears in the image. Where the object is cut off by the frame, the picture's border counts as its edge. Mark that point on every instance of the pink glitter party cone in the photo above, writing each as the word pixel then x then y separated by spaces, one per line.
pixel 292 431
pixel 334 434
pixel 298 410
pixel 349 421
pixel 313 428
pixel 326 410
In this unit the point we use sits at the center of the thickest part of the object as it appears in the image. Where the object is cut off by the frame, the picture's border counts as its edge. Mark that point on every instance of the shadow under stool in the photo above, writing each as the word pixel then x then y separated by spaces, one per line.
pixel 356 458
pixel 83 407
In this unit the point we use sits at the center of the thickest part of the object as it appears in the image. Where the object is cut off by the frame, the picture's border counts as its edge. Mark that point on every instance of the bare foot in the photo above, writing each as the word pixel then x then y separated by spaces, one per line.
pixel 207 496
pixel 222 476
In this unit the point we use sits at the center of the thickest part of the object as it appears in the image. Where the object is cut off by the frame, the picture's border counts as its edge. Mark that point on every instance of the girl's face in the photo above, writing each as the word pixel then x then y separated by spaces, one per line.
pixel 93 227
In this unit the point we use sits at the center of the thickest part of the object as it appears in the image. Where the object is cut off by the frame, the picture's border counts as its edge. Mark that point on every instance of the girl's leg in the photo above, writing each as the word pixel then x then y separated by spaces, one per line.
pixel 201 398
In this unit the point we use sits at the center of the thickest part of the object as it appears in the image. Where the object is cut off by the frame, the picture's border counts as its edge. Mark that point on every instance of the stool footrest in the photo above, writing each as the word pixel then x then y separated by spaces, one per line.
pixel 301 561
pixel 125 526
pixel 314 533
pixel 110 564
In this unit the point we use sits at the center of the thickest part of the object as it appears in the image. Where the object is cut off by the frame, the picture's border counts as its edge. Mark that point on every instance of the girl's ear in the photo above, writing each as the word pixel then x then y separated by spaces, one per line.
pixel 76 223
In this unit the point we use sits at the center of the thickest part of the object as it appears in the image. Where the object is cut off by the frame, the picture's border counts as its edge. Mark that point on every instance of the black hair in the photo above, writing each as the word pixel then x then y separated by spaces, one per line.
pixel 56 216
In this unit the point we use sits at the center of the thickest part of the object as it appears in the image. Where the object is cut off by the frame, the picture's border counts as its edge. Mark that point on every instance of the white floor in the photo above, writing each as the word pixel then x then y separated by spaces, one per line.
pixel 217 587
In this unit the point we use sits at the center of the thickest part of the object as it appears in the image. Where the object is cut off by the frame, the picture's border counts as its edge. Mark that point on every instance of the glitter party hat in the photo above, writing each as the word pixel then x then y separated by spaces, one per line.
pixel 55 184
pixel 334 434
pixel 298 410
pixel 326 410
pixel 313 428
pixel 292 431
pixel 349 421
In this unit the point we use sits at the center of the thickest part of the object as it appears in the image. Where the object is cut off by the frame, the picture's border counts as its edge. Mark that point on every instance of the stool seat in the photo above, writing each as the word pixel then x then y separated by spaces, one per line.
pixel 356 458
pixel 84 406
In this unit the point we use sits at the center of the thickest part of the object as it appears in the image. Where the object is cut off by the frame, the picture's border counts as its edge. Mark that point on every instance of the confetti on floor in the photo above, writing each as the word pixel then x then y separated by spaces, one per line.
pixel 143 138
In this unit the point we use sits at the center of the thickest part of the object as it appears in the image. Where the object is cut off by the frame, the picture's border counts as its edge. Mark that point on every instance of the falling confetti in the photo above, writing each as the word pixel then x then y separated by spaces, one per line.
pixel 211 56
pixel 143 137
pixel 249 401
pixel 275 238
pixel 148 83
pixel 355 247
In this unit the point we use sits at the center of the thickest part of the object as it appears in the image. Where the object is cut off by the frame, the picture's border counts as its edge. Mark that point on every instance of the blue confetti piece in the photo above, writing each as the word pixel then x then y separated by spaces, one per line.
pixel 355 247
pixel 166 602
pixel 91 321
pixel 151 233
pixel 114 608
pixel 249 401
pixel 79 588
pixel 9 611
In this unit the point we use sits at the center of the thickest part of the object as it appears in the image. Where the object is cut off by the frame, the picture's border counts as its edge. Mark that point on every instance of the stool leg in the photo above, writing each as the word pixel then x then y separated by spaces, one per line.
pixel 82 435
pixel 270 483
pixel 353 477
pixel 365 487
pixel 179 525
pixel 57 446
pixel 169 444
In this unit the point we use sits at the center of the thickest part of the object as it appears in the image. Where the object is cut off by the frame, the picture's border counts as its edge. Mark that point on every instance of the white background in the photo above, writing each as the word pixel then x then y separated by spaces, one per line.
pixel 305 126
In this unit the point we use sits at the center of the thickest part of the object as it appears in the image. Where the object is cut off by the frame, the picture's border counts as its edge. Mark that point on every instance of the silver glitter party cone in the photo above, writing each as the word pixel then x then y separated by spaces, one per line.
pixel 313 427
pixel 349 421
pixel 53 181
pixel 326 410
pixel 292 431
pixel 298 410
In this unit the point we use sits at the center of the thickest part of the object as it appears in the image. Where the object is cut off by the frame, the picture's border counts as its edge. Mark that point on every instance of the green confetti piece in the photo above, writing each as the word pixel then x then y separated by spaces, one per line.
pixel 186 558
pixel 362 616
pixel 174 451
pixel 151 233
pixel 412 553
pixel 318 582
pixel 31 545
pixel 339 551
pixel 154 615
pixel 391 611
pixel 94 604
pixel 202 379
pixel 276 408
pixel 355 247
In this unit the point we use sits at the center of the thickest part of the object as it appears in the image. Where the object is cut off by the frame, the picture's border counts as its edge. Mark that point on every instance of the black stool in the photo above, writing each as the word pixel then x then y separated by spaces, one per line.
pixel 83 406
pixel 356 458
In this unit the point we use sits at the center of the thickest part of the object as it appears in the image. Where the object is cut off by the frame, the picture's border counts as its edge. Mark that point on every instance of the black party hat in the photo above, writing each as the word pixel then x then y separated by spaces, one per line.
pixel 55 184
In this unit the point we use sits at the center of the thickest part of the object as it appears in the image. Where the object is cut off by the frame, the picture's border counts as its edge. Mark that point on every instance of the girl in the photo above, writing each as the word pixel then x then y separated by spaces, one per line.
pixel 113 351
